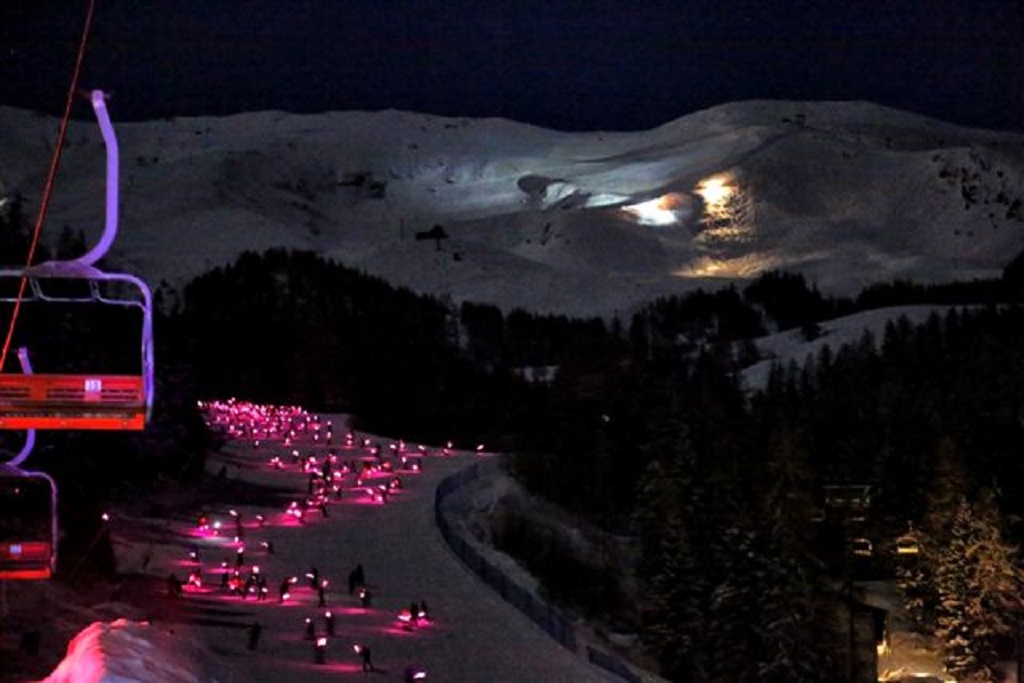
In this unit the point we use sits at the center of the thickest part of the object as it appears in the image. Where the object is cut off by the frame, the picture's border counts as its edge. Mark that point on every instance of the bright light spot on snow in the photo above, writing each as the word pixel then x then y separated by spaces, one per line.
pixel 663 210
pixel 727 215
pixel 716 193
pixel 744 266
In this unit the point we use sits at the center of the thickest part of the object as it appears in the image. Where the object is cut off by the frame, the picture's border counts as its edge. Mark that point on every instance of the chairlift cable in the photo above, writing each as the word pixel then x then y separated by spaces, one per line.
pixel 51 176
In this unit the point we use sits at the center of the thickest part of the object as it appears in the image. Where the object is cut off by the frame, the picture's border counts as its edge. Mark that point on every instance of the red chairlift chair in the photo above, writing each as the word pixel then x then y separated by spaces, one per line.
pixel 85 400
pixel 28 401
pixel 28 521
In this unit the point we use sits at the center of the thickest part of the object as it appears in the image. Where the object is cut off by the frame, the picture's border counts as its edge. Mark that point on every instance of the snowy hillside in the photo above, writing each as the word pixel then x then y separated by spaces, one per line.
pixel 790 346
pixel 585 223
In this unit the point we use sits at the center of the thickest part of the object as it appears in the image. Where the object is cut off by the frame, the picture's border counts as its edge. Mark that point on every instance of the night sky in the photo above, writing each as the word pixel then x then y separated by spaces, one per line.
pixel 563 64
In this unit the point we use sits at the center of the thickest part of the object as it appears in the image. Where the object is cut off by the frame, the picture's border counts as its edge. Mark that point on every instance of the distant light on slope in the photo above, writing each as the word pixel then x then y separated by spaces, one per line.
pixel 716 192
pixel 668 209
pixel 749 265
pixel 727 214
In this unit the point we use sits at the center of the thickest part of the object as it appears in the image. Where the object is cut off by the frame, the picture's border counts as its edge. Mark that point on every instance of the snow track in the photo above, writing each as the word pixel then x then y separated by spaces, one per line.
pixel 474 637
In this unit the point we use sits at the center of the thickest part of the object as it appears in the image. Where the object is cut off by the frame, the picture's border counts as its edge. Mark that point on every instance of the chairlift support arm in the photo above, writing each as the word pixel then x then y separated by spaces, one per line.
pixel 86 401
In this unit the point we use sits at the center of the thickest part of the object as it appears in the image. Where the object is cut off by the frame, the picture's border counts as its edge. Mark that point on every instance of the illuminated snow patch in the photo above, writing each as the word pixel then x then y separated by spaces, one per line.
pixel 131 651
pixel 668 209
pixel 727 214
pixel 745 266
pixel 599 199
pixel 716 192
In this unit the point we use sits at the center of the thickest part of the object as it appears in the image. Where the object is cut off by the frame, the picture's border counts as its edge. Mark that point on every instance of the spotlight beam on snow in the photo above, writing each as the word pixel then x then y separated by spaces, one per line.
pixel 715 190
pixel 663 210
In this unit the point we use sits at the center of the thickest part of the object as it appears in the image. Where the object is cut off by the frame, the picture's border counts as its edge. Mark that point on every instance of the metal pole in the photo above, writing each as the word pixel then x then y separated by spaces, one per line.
pixel 851 676
pixel 1020 646
pixel 88 551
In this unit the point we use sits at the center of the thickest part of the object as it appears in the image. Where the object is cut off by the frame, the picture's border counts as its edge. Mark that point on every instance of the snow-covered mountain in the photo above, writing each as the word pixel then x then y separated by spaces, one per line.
pixel 585 223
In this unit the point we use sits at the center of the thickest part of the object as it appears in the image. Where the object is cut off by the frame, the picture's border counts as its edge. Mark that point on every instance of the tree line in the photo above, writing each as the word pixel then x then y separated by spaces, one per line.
pixel 646 431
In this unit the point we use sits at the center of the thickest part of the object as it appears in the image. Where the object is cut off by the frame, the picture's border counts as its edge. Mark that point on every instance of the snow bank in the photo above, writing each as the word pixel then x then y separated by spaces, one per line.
pixel 790 345
pixel 125 651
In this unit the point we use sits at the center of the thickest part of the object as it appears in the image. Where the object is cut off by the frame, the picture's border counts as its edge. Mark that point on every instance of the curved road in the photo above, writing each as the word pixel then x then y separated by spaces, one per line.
pixel 476 637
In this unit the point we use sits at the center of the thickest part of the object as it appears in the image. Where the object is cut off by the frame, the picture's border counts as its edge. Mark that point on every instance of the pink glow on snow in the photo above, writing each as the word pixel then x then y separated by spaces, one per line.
pixel 259 432
pixel 130 651
pixel 329 667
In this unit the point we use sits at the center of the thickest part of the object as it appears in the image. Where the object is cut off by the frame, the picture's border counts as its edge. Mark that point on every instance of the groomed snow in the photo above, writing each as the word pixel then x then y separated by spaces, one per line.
pixel 125 651
pixel 474 635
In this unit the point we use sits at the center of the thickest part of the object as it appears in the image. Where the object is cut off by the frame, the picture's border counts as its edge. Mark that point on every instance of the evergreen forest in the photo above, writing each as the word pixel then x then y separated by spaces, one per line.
pixel 641 428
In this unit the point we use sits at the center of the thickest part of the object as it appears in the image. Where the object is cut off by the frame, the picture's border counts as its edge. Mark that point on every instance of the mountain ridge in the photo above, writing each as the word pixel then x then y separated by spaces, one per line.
pixel 848 193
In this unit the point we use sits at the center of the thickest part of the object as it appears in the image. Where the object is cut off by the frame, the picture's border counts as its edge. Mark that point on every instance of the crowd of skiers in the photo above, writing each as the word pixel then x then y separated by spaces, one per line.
pixel 283 432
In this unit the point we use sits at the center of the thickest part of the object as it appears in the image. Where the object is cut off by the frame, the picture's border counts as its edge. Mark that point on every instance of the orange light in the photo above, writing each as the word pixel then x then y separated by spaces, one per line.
pixel 663 210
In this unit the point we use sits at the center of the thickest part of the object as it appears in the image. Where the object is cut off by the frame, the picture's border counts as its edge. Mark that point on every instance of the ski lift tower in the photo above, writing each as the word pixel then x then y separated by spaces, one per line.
pixel 846 508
